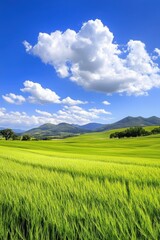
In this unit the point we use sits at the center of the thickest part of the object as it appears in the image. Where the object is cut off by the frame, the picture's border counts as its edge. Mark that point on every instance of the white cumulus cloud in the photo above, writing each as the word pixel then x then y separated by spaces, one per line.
pixel 13 98
pixel 99 111
pixel 68 114
pixel 91 59
pixel 157 51
pixel 27 46
pixel 70 101
pixel 44 113
pixel 78 115
pixel 2 112
pixel 106 103
pixel 39 94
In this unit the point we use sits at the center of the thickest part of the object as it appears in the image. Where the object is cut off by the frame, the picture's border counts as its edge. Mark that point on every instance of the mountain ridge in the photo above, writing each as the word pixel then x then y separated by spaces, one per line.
pixel 131 122
pixel 49 130
pixel 65 129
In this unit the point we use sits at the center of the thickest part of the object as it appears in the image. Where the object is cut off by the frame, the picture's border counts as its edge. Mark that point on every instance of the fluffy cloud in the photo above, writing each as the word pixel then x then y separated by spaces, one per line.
pixel 44 113
pixel 99 111
pixel 78 115
pixel 106 103
pixel 39 94
pixel 70 101
pixel 2 111
pixel 91 59
pixel 157 51
pixel 14 99
pixel 68 114
pixel 17 119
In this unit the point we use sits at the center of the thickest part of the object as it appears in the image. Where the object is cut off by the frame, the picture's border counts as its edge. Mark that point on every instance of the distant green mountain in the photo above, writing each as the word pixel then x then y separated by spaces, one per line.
pixel 131 122
pixel 64 129
pixel 52 130
pixel 91 126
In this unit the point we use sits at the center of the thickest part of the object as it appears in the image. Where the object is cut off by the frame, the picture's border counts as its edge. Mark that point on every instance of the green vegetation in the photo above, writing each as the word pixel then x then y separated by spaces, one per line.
pixel 132 122
pixel 7 133
pixel 26 137
pixel 63 130
pixel 156 130
pixel 86 187
pixel 130 132
pixel 49 131
pixel 134 132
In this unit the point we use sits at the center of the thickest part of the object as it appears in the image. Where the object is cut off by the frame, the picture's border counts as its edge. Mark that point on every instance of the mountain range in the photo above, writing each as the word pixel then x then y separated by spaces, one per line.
pixel 132 122
pixel 62 130
pixel 65 129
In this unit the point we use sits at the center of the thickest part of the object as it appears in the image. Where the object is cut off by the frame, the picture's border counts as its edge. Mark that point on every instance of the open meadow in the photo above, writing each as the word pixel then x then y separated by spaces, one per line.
pixel 87 187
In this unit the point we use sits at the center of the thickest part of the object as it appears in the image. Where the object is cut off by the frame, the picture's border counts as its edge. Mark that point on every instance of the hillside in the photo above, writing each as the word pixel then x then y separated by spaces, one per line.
pixel 64 129
pixel 131 122
pixel 91 126
pixel 60 130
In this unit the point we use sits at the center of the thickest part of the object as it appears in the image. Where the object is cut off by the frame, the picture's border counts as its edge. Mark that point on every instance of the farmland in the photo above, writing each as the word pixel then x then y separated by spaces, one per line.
pixel 84 187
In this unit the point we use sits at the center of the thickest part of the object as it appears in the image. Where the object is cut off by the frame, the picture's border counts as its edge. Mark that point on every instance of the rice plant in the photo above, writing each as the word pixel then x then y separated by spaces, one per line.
pixel 87 188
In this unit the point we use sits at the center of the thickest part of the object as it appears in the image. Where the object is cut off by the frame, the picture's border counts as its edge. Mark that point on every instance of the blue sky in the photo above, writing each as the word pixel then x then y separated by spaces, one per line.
pixel 78 61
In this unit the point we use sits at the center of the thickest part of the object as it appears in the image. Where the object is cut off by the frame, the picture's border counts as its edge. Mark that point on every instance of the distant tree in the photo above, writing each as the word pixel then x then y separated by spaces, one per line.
pixel 26 137
pixel 16 137
pixel 156 130
pixel 114 135
pixel 130 132
pixel 45 138
pixel 7 133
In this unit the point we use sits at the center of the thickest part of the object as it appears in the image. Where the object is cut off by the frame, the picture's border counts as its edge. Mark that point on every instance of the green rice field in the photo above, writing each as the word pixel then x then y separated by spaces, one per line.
pixel 87 187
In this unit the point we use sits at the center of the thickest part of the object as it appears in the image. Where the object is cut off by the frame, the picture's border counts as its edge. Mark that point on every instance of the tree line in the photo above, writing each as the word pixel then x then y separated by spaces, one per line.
pixel 127 133
pixel 10 134
pixel 134 132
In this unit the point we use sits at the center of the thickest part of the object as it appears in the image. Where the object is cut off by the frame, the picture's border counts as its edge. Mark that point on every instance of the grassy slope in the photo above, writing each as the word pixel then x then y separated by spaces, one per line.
pixel 86 187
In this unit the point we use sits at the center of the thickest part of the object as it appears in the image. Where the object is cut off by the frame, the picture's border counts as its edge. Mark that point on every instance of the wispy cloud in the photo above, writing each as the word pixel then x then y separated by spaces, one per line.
pixel 43 113
pixel 68 114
